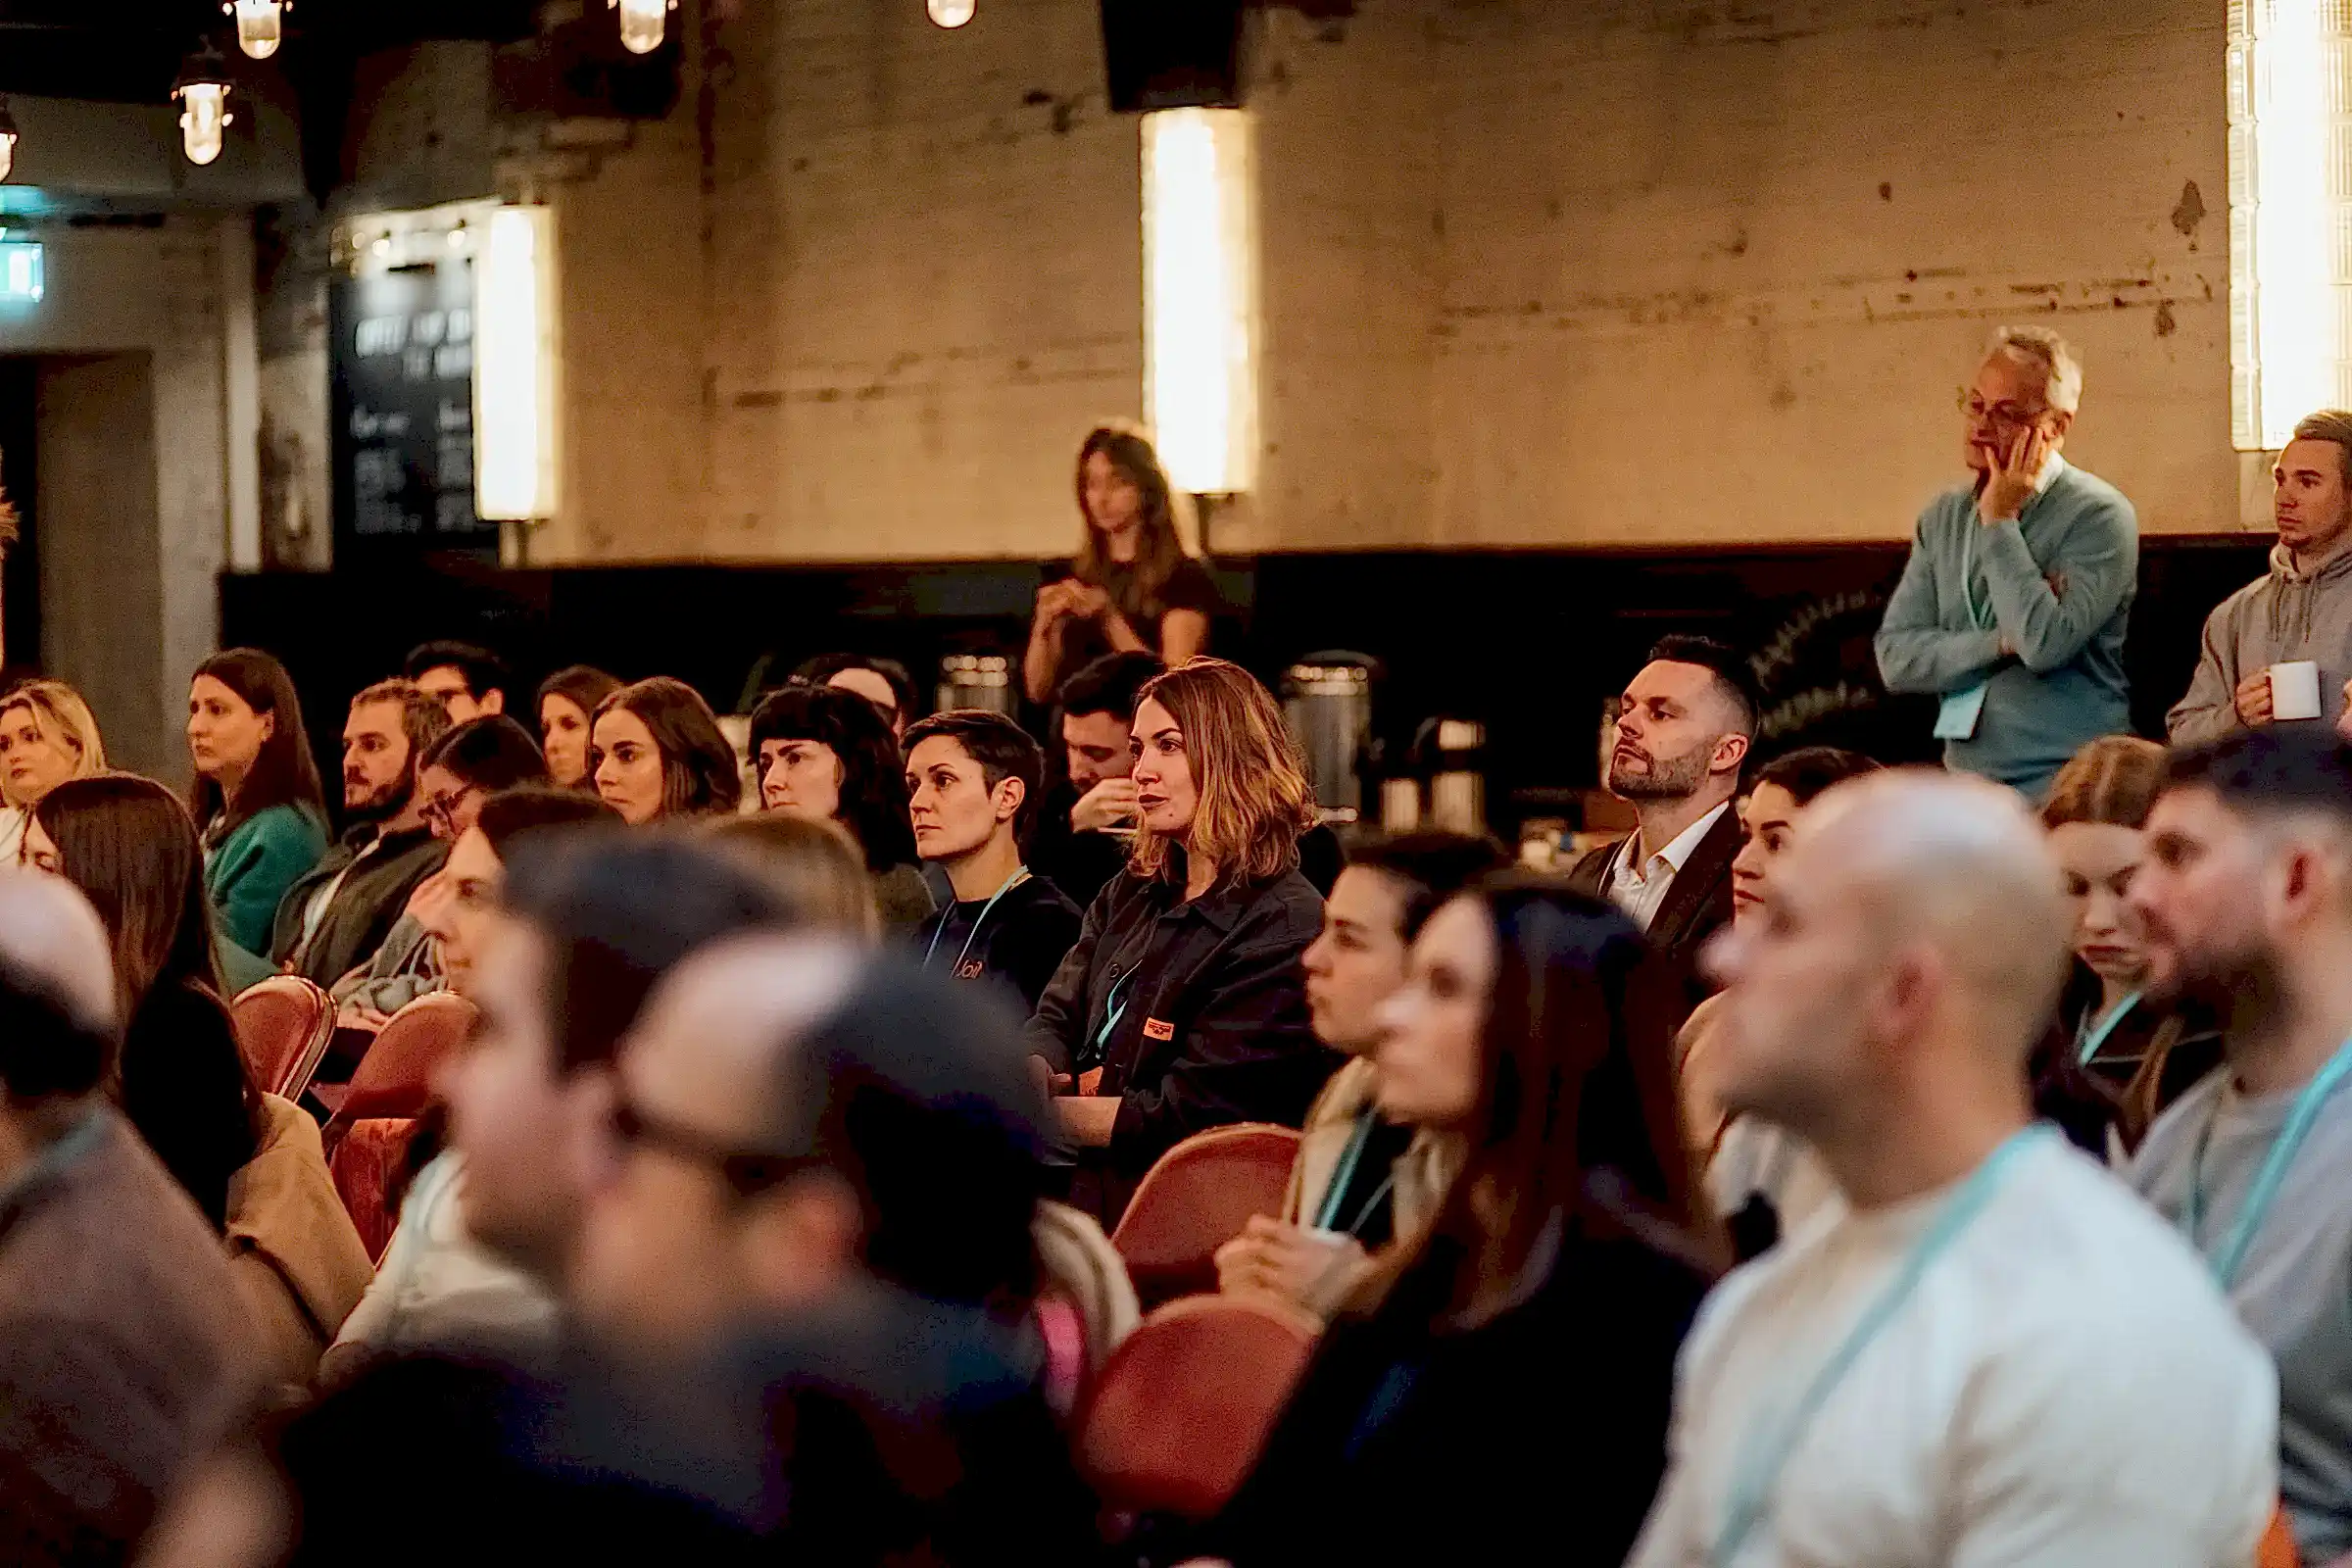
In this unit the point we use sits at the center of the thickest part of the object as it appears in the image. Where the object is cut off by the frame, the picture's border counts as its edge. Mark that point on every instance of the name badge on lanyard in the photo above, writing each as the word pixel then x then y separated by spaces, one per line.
pixel 1963 710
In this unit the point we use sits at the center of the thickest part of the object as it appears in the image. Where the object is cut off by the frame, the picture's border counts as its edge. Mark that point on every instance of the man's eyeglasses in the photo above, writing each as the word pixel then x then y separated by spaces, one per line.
pixel 2008 415
pixel 440 812
pixel 749 1172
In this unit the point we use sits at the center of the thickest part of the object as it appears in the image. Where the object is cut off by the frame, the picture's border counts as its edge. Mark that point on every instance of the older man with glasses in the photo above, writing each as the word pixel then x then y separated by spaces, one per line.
pixel 2013 605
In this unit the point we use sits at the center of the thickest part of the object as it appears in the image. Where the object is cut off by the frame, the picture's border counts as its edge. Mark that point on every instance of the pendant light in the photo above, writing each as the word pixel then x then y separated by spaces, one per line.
pixel 201 92
pixel 950 13
pixel 261 26
pixel 642 22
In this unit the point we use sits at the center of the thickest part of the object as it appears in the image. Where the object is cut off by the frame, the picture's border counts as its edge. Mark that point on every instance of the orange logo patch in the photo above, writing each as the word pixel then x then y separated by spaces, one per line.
pixel 1158 1029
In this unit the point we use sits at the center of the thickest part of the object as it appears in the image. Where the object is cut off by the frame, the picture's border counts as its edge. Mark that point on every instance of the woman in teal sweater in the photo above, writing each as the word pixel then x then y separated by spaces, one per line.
pixel 257 794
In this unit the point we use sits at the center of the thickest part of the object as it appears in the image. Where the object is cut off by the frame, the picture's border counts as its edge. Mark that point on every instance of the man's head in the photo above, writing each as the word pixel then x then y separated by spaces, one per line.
pixel 1388 890
pixel 1683 723
pixel 470 763
pixel 60 1023
pixel 2247 875
pixel 587 923
pixel 390 726
pixel 2030 380
pixel 466 679
pixel 1912 939
pixel 1097 707
pixel 972 778
pixel 883 682
pixel 2311 486
pixel 795 1112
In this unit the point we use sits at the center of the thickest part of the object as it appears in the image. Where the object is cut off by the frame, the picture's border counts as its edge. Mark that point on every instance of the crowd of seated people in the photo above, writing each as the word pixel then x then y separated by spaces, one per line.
pixel 1851 1165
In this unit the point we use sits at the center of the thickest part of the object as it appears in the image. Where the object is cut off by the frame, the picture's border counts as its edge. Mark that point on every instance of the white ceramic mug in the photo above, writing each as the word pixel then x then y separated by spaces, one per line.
pixel 2295 690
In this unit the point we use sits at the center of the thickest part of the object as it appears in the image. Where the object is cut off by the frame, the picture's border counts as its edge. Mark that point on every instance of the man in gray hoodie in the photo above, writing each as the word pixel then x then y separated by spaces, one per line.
pixel 2301 611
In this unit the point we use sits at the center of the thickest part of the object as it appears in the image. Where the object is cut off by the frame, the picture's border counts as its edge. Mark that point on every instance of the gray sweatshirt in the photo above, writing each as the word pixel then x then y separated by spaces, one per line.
pixel 2280 618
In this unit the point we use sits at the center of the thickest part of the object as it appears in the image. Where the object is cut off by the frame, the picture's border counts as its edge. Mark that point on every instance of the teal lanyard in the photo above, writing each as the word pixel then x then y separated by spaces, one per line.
pixel 1020 875
pixel 2270 1178
pixel 1979 615
pixel 2089 1041
pixel 1341 1174
pixel 1766 1455
pixel 1116 1009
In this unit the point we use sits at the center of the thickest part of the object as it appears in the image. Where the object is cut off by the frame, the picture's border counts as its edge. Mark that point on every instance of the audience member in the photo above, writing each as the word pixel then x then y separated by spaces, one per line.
pixel 469 680
pixel 47 736
pixel 118 1331
pixel 816 865
pixel 2012 604
pixel 251 1162
pixel 336 914
pixel 973 782
pixel 657 751
pixel 457 771
pixel 2245 902
pixel 1990 1352
pixel 2116 1054
pixel 827 754
pixel 568 700
pixel 1181 1006
pixel 1132 588
pixel 436 1287
pixel 255 797
pixel 2300 611
pixel 1361 1181
pixel 1760 1177
pixel 1523 1354
pixel 883 682
pixel 1088 825
pixel 1682 732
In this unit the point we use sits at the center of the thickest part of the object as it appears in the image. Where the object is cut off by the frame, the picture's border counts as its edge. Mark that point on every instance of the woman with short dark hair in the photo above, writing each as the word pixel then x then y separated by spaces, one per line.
pixel 655 752
pixel 827 753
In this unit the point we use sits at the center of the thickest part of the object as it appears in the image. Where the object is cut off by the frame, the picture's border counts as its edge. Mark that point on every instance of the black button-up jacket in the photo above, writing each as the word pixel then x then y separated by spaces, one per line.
pixel 1212 1024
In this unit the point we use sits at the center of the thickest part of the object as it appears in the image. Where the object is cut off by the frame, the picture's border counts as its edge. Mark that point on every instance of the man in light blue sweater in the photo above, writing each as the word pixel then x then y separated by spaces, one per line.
pixel 2012 604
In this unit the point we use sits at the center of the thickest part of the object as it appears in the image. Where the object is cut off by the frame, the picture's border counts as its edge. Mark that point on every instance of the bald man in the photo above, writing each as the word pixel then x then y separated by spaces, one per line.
pixel 119 1330
pixel 1988 1353
pixel 2246 901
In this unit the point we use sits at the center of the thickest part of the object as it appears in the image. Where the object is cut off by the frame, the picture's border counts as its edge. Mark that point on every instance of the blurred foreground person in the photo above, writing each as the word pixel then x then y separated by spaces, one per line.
pixel 2246 901
pixel 1990 1352
pixel 1508 1400
pixel 1361 1181
pixel 119 1321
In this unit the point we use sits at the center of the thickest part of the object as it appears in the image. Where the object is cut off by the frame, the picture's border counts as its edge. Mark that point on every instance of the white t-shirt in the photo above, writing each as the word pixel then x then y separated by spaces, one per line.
pixel 2064 1387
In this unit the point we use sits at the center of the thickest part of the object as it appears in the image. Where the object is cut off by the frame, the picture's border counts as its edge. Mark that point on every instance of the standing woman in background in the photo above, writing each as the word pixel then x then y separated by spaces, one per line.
pixel 567 706
pixel 256 797
pixel 657 751
pixel 47 736
pixel 826 754
pixel 1131 589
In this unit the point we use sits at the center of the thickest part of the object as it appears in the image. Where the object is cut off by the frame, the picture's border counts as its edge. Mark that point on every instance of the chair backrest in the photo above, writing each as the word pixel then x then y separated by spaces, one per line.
pixel 395 1078
pixel 2278 1548
pixel 282 1027
pixel 1197 1199
pixel 366 1166
pixel 1177 1415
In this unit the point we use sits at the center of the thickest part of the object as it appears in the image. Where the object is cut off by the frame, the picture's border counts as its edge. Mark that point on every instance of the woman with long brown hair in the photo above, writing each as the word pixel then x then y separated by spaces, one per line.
pixel 1504 1397
pixel 656 751
pixel 566 706
pixel 1182 1006
pixel 255 798
pixel 1131 588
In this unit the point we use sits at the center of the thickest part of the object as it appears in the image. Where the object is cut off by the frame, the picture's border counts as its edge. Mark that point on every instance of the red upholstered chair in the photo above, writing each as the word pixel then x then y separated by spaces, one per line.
pixel 396 1077
pixel 365 1165
pixel 282 1027
pixel 1177 1415
pixel 1196 1200
pixel 2278 1548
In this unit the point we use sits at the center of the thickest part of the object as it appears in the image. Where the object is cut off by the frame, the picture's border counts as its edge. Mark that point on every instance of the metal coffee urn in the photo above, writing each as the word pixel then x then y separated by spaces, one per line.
pixel 1327 698
pixel 977 680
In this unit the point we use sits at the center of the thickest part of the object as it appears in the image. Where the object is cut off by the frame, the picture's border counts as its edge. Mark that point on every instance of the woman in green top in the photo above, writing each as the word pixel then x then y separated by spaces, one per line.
pixel 257 794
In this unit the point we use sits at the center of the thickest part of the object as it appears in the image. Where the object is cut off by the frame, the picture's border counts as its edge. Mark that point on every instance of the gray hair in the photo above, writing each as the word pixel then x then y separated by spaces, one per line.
pixel 2060 363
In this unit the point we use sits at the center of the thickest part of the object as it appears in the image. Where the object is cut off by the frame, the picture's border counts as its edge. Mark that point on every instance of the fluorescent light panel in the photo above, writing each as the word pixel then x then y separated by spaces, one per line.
pixel 1200 296
pixel 2290 215
pixel 514 368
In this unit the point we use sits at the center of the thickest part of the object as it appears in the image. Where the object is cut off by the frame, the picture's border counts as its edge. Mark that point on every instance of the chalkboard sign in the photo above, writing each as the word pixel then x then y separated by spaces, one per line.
pixel 402 365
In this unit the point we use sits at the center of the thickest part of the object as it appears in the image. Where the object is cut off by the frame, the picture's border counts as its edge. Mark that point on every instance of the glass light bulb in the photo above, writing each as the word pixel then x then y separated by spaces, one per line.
pixel 950 13
pixel 202 116
pixel 261 26
pixel 641 24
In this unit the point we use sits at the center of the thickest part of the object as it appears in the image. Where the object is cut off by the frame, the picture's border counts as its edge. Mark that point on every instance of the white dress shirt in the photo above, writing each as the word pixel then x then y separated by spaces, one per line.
pixel 1638 888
